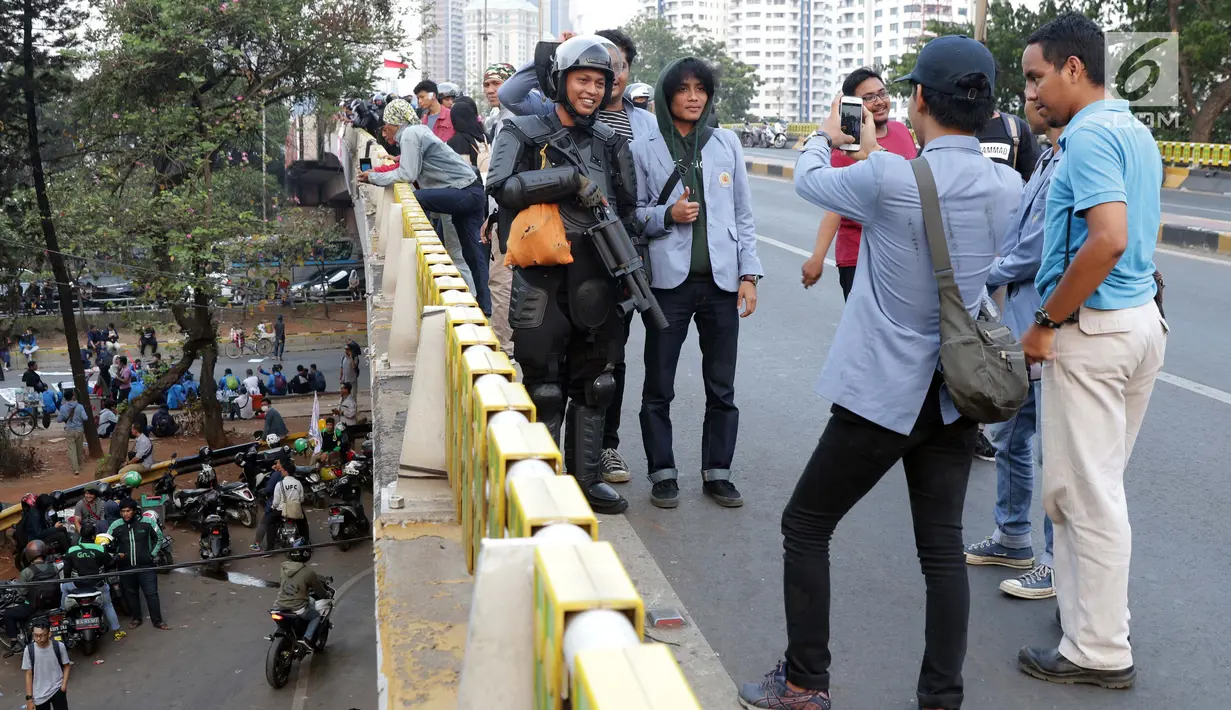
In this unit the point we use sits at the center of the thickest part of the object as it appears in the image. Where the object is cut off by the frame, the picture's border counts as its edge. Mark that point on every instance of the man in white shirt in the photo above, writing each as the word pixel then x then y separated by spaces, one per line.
pixel 47 667
pixel 288 500
pixel 252 383
pixel 241 406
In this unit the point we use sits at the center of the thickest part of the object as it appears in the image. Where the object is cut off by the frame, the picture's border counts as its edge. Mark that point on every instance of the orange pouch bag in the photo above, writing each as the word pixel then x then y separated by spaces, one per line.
pixel 537 238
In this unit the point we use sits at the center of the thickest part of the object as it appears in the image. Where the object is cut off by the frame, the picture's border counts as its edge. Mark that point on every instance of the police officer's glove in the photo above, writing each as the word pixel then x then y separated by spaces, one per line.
pixel 588 193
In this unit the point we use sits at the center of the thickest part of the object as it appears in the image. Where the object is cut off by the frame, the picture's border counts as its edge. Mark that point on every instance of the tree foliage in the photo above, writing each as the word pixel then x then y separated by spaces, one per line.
pixel 659 44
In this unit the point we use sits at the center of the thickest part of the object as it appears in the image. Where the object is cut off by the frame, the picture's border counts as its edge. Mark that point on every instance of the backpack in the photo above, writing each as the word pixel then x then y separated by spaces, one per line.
pixel 279 382
pixel 983 364
pixel 232 382
pixel 46 595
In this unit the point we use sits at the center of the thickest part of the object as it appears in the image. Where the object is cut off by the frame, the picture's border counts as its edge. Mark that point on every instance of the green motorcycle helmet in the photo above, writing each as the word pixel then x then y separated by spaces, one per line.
pixel 301 446
pixel 132 479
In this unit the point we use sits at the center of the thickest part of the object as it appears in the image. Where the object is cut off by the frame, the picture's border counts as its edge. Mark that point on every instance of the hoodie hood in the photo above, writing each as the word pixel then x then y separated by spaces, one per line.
pixel 701 132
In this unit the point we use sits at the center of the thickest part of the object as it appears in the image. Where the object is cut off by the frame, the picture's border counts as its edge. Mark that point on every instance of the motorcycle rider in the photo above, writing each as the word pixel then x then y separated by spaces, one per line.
pixel 89 510
pixel 297 587
pixel 36 523
pixel 136 543
pixel 90 557
pixel 37 598
pixel 642 95
pixel 566 331
pixel 207 478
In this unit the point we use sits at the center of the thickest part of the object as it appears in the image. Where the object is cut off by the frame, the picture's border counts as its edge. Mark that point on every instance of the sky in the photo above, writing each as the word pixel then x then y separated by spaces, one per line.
pixel 593 15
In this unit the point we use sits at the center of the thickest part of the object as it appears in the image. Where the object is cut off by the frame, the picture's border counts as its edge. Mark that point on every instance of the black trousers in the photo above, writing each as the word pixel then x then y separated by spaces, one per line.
pixel 851 457
pixel 716 313
pixel 142 584
pixel 59 701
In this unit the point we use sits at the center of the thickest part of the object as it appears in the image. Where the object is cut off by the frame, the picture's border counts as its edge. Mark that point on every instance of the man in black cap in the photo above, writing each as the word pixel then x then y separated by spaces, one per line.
pixel 890 403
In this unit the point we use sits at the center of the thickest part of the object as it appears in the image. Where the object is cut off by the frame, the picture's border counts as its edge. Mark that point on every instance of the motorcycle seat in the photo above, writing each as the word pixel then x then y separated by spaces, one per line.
pixel 232 485
pixel 84 595
pixel 192 491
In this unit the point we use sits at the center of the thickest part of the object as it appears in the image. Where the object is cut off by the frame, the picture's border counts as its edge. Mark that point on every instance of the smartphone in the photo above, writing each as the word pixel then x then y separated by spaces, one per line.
pixel 851 113
pixel 365 165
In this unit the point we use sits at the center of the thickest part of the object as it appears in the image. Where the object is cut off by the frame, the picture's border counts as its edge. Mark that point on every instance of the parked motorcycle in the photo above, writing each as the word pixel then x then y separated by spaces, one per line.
pixel 778 132
pixel 84 620
pixel 215 539
pixel 347 521
pixel 284 647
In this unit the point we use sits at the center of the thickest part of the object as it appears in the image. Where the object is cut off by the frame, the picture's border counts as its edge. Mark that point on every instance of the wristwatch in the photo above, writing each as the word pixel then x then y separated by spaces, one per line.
pixel 1043 318
pixel 822 134
pixel 751 278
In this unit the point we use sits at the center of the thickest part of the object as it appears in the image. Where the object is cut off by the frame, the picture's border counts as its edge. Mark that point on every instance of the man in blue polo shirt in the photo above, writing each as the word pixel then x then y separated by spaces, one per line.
pixel 1102 339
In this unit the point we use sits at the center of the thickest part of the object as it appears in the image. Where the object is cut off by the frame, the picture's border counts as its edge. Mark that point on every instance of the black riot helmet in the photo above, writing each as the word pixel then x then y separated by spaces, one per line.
pixel 584 52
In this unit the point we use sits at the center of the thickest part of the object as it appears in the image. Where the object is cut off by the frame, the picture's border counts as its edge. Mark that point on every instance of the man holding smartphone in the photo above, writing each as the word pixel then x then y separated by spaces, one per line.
pixel 893 136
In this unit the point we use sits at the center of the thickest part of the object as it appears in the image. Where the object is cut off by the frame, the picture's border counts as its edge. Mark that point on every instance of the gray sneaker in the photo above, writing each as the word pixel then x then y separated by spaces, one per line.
pixel 614 468
pixel 772 693
pixel 1038 583
pixel 989 552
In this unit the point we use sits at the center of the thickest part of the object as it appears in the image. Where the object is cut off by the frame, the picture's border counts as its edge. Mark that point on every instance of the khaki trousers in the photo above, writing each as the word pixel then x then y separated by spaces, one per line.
pixel 500 283
pixel 1095 394
pixel 76 450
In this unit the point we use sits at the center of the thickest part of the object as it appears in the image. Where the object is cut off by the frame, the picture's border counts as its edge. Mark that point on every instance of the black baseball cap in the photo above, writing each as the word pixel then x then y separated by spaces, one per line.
pixel 945 60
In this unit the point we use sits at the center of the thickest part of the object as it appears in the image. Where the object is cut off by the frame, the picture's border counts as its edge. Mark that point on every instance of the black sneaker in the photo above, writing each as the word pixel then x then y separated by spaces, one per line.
pixel 723 493
pixel 665 494
pixel 984 449
pixel 614 468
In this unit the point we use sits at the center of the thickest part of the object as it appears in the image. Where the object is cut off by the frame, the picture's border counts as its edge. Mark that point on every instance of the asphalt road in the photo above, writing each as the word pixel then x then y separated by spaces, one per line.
pixel 214 655
pixel 1196 209
pixel 726 564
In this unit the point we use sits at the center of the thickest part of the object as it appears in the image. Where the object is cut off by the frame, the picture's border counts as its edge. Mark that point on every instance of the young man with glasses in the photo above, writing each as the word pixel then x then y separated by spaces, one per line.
pixel 892 136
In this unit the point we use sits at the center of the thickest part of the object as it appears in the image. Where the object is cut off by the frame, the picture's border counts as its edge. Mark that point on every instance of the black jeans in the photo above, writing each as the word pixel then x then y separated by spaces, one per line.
pixel 851 457
pixel 15 616
pixel 468 207
pixel 135 586
pixel 716 313
pixel 59 701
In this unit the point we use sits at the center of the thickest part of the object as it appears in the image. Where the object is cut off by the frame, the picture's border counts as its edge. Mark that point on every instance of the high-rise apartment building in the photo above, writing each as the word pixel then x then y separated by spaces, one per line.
pixel 789 43
pixel 875 33
pixel 708 15
pixel 511 29
pixel 444 52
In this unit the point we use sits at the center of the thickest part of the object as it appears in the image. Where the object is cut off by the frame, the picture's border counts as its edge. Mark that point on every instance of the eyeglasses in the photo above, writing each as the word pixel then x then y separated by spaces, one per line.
pixel 872 98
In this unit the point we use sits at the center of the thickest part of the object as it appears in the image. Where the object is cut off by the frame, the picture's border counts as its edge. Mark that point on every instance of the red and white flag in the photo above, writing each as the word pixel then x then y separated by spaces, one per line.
pixel 393 64
pixel 314 429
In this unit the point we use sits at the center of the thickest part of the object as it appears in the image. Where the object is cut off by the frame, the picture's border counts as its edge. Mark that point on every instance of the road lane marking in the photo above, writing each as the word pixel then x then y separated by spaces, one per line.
pixel 1195 387
pixel 1178 251
pixel 305 669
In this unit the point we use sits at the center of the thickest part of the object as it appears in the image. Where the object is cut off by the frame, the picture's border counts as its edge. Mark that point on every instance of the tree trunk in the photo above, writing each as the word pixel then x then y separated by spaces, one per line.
pixel 1217 102
pixel 49 231
pixel 211 409
pixel 118 453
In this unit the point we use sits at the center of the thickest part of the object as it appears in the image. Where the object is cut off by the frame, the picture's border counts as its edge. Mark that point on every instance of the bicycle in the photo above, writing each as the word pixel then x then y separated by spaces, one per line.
pixel 240 345
pixel 23 420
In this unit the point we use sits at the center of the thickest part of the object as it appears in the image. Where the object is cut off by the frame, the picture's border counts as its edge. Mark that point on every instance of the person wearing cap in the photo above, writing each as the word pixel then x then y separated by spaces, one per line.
pixel 500 277
pixel 136 547
pixel 889 399
pixel 1101 337
pixel 493 79
pixel 448 185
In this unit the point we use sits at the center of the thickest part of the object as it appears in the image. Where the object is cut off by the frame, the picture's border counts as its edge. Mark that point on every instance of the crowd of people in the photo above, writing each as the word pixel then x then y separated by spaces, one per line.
pixel 925 248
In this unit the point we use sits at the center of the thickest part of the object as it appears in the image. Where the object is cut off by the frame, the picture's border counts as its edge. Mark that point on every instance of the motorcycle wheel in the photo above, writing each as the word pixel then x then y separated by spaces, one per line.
pixel 264 347
pixel 89 642
pixel 165 558
pixel 246 518
pixel 344 546
pixel 746 140
pixel 780 141
pixel 278 661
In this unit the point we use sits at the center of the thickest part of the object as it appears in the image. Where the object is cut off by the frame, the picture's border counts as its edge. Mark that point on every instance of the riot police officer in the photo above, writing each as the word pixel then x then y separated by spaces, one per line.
pixel 566 329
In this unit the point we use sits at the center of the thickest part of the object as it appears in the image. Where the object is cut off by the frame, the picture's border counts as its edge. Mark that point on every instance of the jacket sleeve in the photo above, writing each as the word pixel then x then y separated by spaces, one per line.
pixel 852 192
pixel 650 215
pixel 745 223
pixel 409 162
pixel 521 94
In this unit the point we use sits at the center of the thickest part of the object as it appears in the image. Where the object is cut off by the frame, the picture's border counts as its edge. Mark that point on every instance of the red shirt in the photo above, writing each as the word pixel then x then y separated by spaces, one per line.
pixel 897 140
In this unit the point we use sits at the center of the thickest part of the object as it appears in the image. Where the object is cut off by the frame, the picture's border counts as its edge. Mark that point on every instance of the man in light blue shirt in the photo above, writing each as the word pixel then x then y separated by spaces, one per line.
pixel 889 399
pixel 1015 441
pixel 1102 340
pixel 73 416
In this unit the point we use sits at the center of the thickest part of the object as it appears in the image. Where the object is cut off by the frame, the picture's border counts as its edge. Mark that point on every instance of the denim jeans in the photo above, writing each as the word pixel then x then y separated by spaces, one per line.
pixel 142 584
pixel 717 316
pixel 279 347
pixel 104 600
pixel 851 457
pixel 1018 463
pixel 453 245
pixel 467 207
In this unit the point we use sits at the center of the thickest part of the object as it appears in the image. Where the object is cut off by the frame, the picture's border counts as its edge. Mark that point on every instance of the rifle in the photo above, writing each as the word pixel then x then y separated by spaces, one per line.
pixel 620 257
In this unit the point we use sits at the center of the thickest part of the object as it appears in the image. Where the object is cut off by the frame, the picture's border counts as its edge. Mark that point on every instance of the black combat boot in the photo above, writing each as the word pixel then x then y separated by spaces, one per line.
pixel 585 430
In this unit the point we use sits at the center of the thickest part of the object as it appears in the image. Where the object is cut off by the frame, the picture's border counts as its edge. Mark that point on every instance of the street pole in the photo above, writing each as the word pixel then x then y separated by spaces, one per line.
pixel 981 21
pixel 483 42
pixel 540 37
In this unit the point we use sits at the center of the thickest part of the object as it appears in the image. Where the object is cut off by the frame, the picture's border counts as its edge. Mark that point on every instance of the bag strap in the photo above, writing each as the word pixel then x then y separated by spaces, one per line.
pixel 1010 127
pixel 676 176
pixel 934 225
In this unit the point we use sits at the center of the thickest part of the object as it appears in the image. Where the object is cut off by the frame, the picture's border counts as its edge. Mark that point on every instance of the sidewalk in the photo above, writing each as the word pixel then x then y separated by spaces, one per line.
pixel 328 338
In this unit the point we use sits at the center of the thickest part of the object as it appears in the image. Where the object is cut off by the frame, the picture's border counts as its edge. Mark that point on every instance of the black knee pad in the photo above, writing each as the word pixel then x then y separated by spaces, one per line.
pixel 548 398
pixel 601 391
